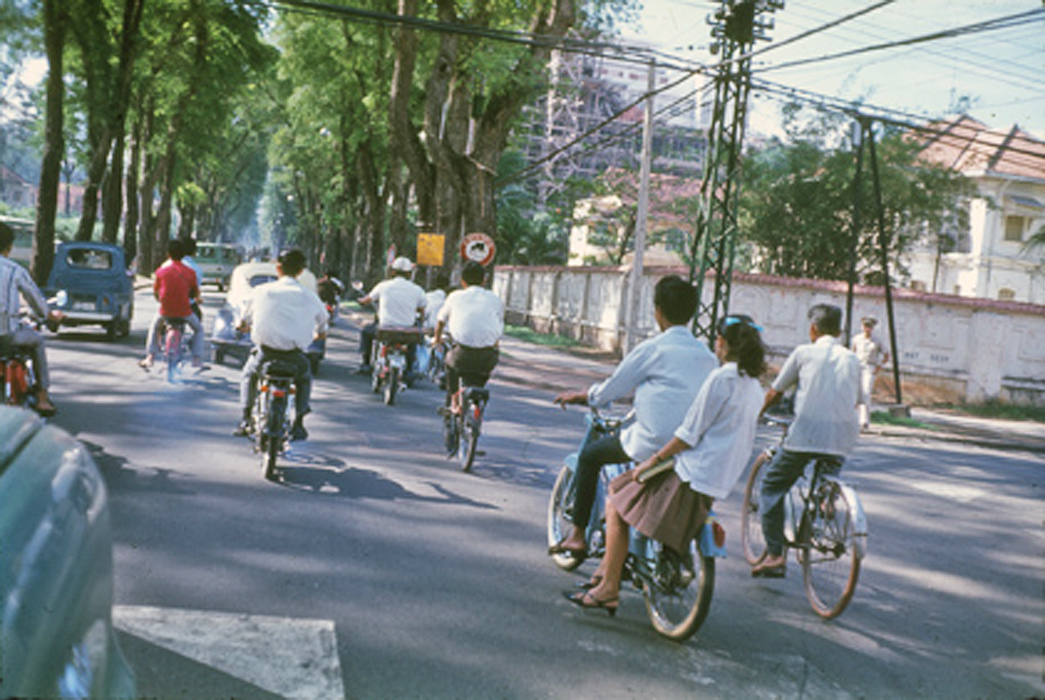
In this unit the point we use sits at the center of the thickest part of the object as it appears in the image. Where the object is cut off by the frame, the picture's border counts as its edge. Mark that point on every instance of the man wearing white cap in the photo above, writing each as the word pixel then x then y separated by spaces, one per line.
pixel 398 302
pixel 872 355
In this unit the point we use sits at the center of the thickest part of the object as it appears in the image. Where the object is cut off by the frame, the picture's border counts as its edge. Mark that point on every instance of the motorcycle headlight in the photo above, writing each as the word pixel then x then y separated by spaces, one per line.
pixel 61 299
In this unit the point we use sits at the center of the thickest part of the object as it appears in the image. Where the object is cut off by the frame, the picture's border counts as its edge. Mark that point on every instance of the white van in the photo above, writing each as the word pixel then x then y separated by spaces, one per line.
pixel 216 261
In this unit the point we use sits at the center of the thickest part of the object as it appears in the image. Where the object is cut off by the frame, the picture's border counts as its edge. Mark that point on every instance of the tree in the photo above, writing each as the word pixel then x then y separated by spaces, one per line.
pixel 796 206
pixel 473 93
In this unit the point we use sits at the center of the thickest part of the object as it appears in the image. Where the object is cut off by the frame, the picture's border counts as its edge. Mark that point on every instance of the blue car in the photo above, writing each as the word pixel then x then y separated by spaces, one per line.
pixel 91 285
pixel 56 568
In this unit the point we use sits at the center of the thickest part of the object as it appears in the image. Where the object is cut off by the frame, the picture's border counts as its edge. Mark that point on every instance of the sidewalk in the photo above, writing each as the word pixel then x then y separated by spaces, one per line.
pixel 556 370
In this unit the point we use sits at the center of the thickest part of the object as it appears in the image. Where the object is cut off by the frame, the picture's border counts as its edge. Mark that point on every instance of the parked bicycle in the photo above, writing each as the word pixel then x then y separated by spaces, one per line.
pixel 461 430
pixel 824 523
pixel 677 587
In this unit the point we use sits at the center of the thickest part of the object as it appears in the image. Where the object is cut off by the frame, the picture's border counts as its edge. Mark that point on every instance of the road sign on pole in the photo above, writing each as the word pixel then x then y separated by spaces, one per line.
pixel 478 247
pixel 430 247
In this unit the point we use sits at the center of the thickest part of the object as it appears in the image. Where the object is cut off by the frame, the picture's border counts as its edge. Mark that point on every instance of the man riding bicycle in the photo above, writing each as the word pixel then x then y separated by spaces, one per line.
pixel 474 318
pixel 175 285
pixel 15 282
pixel 283 317
pixel 827 377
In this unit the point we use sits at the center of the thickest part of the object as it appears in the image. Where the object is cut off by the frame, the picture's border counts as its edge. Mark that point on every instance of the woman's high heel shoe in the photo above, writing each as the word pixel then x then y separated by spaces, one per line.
pixel 584 599
pixel 590 583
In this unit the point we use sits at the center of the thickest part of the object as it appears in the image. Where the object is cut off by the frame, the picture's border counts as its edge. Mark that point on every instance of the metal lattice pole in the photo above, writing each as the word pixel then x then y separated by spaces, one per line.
pixel 735 27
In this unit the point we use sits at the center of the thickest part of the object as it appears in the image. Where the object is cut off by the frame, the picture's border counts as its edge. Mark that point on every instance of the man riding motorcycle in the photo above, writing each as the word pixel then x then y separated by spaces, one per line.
pixel 399 303
pixel 283 318
pixel 15 282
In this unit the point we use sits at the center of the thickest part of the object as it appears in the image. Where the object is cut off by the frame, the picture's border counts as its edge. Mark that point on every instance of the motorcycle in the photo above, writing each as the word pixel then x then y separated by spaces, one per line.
pixel 17 371
pixel 677 587
pixel 390 366
pixel 273 413
pixel 16 367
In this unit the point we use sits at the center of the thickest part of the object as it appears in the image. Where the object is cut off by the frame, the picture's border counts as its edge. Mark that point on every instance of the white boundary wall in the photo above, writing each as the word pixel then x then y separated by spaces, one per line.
pixel 950 348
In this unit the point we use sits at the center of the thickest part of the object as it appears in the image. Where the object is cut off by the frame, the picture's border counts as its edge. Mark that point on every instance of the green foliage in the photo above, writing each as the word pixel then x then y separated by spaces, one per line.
pixel 546 339
pixel 796 206
pixel 525 235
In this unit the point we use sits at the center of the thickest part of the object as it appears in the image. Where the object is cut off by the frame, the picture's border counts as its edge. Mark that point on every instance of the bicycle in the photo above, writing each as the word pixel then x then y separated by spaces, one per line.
pixel 677 588
pixel 824 522
pixel 461 430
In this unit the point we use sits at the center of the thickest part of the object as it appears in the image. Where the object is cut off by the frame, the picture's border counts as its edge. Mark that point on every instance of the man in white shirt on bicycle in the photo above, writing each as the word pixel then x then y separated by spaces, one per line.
pixel 827 377
pixel 474 318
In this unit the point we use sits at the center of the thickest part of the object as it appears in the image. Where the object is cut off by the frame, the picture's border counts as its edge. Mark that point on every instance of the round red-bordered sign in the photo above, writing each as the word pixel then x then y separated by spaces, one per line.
pixel 478 247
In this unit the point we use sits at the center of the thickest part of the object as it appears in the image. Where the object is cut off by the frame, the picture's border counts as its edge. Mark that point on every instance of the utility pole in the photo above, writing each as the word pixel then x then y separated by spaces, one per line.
pixel 736 25
pixel 641 218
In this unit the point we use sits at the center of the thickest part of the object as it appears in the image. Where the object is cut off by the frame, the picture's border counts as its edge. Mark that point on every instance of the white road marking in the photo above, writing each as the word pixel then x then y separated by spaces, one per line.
pixel 295 658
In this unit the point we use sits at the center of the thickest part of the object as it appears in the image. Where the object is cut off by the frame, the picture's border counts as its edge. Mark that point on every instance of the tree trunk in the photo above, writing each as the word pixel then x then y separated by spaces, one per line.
pixel 131 224
pixel 112 192
pixel 54 146
pixel 406 142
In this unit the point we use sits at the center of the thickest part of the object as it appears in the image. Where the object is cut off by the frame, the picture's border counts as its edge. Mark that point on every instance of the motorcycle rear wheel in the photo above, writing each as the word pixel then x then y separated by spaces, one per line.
pixel 273 429
pixel 678 599
pixel 391 386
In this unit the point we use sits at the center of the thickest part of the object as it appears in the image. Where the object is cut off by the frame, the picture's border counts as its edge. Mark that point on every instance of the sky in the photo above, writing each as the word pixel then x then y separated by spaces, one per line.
pixel 1001 72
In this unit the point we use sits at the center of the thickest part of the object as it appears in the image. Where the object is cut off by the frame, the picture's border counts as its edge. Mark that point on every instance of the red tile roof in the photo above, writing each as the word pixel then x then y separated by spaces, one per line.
pixel 971 147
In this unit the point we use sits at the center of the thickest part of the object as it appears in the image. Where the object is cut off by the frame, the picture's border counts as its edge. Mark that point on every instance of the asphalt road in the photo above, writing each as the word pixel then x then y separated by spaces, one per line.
pixel 379 570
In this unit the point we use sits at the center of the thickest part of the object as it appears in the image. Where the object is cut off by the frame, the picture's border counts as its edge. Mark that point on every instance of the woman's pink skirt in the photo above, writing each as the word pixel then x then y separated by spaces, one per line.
pixel 664 508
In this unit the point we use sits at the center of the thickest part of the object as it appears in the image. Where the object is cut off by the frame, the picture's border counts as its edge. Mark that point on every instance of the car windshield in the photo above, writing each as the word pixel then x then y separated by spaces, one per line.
pixel 262 279
pixel 89 259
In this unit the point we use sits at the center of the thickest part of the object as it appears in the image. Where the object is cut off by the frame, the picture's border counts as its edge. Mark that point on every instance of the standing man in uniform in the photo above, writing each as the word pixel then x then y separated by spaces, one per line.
pixel 872 355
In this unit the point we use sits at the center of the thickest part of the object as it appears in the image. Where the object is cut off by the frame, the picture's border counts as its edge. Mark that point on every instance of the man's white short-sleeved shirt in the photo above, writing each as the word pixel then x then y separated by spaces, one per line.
pixel 398 300
pixel 474 317
pixel 828 380
pixel 665 372
pixel 285 315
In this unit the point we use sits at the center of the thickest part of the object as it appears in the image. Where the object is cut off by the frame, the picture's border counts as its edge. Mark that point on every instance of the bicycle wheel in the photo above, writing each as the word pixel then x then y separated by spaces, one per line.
pixel 274 437
pixel 751 539
pixel 470 427
pixel 559 525
pixel 830 561
pixel 678 597
pixel 391 386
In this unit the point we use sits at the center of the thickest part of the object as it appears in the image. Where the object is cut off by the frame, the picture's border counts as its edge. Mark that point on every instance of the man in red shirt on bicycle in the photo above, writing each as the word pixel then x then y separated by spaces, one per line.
pixel 175 286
